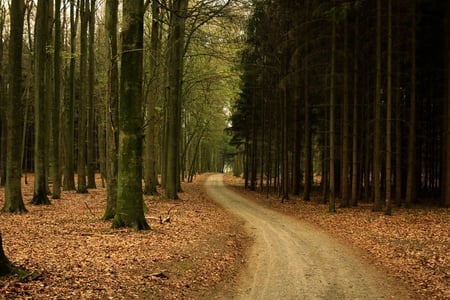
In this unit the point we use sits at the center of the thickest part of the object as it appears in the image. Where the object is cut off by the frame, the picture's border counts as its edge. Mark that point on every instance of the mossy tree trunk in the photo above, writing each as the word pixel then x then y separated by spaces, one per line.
pixel 112 114
pixel 130 206
pixel 5 265
pixel 41 111
pixel 14 112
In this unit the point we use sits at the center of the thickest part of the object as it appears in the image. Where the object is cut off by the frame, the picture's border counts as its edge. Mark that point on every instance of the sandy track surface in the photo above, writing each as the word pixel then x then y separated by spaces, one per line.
pixel 291 259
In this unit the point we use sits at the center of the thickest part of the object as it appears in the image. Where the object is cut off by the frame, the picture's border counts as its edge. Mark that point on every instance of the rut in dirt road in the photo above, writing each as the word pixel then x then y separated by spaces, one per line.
pixel 293 260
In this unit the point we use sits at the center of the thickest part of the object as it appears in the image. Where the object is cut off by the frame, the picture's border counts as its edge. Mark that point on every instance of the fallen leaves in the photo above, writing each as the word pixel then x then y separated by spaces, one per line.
pixel 78 256
pixel 412 245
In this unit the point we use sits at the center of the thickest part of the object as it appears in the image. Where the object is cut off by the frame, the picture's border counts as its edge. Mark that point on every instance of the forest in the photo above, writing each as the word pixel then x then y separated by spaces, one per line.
pixel 114 113
pixel 66 65
pixel 346 98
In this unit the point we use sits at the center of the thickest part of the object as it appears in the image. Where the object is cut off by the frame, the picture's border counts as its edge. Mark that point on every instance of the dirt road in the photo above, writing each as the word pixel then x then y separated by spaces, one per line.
pixel 294 260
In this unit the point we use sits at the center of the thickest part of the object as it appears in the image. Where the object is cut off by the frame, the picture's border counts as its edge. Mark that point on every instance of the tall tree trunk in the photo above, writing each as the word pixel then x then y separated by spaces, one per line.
pixel 410 178
pixel 130 203
pixel 90 145
pixel 388 206
pixel 56 193
pixel 111 109
pixel 355 157
pixel 307 134
pixel 82 103
pixel 176 44
pixel 41 111
pixel 68 111
pixel 2 101
pixel 345 124
pixel 377 205
pixel 14 113
pixel 446 148
pixel 151 179
pixel 332 180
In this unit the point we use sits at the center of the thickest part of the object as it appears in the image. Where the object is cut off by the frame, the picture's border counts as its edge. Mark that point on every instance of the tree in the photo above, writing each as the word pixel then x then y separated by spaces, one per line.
pixel 82 103
pixel 376 174
pixel 130 206
pixel 112 114
pixel 410 177
pixel 175 74
pixel 332 179
pixel 14 112
pixel 57 100
pixel 388 206
pixel 90 130
pixel 41 110
pixel 68 110
pixel 150 176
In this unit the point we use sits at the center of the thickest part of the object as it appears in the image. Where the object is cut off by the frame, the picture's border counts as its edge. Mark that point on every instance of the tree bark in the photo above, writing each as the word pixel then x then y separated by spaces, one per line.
pixel 175 75
pixel 332 180
pixel 130 204
pixel 410 177
pixel 14 112
pixel 151 179
pixel 90 145
pixel 112 112
pixel 388 206
pixel 41 111
pixel 56 193
pixel 376 175
pixel 82 103
pixel 68 113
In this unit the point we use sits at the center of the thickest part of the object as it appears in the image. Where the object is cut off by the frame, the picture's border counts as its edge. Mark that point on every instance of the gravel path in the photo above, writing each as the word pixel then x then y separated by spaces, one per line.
pixel 291 259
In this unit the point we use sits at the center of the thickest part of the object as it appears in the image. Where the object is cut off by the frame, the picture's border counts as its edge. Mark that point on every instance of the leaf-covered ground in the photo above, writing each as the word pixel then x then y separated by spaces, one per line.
pixel 75 255
pixel 412 245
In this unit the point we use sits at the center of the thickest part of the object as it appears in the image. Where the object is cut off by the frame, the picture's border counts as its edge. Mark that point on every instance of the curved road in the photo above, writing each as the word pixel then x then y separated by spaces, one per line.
pixel 293 260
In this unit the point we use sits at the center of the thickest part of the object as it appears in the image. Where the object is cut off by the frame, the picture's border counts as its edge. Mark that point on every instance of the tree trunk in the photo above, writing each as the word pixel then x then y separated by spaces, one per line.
pixel 345 125
pixel 377 205
pixel 90 145
pixel 41 111
pixel 130 204
pixel 82 103
pixel 176 44
pixel 5 265
pixel 355 157
pixel 388 207
pixel 2 101
pixel 446 148
pixel 332 179
pixel 111 109
pixel 68 113
pixel 410 178
pixel 56 193
pixel 14 114
pixel 151 179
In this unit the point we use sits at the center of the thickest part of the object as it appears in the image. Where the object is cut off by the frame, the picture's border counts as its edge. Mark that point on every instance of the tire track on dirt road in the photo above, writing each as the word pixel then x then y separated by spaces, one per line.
pixel 291 259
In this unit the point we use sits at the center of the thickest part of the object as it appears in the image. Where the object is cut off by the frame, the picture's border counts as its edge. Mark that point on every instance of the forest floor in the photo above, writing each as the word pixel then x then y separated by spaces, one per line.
pixel 412 245
pixel 75 255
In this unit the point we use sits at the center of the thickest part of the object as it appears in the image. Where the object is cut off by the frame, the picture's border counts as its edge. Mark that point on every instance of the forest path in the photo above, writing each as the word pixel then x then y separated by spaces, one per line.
pixel 291 259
